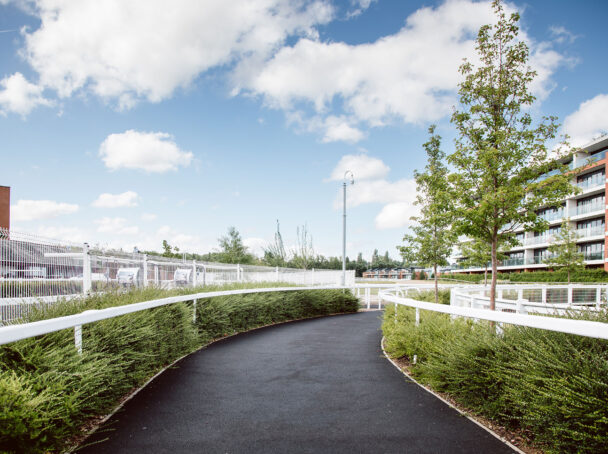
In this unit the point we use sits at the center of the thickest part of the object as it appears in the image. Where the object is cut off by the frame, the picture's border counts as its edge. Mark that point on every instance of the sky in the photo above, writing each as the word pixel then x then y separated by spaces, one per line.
pixel 128 122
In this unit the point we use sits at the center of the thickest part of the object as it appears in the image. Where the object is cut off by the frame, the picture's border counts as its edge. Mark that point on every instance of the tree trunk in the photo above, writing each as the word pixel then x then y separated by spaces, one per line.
pixel 494 267
pixel 568 275
pixel 436 284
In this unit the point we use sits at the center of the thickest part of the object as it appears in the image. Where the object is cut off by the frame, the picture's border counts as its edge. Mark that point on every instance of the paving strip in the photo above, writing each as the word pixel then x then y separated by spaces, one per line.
pixel 315 386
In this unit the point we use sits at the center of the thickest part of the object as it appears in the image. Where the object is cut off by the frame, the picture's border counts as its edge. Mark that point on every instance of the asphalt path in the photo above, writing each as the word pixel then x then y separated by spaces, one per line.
pixel 316 386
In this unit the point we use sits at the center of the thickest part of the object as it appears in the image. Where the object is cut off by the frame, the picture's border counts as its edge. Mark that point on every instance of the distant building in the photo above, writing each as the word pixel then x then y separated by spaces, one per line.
pixel 587 212
pixel 388 273
pixel 5 207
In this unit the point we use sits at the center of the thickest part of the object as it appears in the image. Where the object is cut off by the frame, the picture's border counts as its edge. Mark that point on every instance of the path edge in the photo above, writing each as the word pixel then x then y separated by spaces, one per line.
pixel 465 414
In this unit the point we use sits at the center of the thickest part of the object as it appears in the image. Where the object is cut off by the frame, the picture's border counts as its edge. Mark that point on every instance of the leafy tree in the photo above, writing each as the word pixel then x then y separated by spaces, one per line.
pixel 232 249
pixel 563 252
pixel 501 160
pixel 434 237
pixel 274 254
pixel 374 261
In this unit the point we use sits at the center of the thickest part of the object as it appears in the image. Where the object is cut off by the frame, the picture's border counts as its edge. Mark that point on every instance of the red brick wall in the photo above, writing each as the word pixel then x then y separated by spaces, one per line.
pixel 5 207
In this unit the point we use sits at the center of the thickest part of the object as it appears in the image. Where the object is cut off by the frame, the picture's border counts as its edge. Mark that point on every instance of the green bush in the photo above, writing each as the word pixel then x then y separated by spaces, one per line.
pixel 48 390
pixel 587 275
pixel 554 386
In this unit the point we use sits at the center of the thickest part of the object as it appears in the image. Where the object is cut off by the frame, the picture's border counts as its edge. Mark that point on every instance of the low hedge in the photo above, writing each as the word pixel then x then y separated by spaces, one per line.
pixel 48 391
pixel 588 275
pixel 550 386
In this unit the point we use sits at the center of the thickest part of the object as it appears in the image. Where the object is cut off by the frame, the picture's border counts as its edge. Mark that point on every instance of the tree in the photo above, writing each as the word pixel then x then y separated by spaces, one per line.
pixel 304 252
pixel 434 236
pixel 478 253
pixel 274 254
pixel 563 252
pixel 232 249
pixel 501 161
pixel 374 261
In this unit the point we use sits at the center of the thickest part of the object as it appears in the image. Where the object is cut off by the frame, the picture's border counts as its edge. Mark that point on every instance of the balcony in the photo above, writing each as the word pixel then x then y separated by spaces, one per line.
pixel 537 260
pixel 590 231
pixel 512 262
pixel 554 216
pixel 589 185
pixel 589 208
pixel 594 256
pixel 589 159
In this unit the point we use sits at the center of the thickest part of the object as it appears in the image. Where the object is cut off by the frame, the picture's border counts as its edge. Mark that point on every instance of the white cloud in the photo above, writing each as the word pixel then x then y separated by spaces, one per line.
pixel 148 217
pixel 395 215
pixel 148 151
pixel 62 233
pixel 372 186
pixel 255 245
pixel 125 199
pixel 146 49
pixel 589 121
pixel 363 167
pixel 339 130
pixel 115 226
pixel 410 76
pixel 561 34
pixel 30 210
pixel 19 96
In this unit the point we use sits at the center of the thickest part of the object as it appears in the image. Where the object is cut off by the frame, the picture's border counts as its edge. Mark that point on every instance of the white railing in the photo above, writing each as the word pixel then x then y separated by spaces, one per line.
pixel 35 270
pixel 511 315
pixel 13 333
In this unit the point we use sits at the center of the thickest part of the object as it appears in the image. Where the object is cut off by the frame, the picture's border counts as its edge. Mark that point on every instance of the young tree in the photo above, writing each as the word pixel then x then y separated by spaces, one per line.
pixel 274 254
pixel 563 252
pixel 478 253
pixel 304 254
pixel 501 158
pixel 434 236
pixel 232 249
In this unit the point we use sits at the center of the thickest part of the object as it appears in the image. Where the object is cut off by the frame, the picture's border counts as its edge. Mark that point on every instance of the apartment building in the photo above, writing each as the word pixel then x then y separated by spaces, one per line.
pixel 587 212
pixel 5 207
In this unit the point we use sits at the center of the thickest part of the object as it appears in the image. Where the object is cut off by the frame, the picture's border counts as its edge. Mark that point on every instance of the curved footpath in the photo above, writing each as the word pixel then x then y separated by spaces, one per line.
pixel 316 386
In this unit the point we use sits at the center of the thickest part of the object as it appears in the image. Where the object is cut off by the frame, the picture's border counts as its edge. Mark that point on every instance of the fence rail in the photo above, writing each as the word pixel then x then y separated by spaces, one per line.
pixel 36 270
pixel 585 328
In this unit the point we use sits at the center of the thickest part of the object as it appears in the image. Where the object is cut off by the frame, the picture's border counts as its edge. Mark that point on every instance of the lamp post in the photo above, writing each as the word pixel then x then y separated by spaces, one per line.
pixel 352 181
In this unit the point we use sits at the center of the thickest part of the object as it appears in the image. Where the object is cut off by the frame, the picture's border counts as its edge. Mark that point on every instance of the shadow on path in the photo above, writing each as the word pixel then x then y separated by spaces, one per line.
pixel 315 386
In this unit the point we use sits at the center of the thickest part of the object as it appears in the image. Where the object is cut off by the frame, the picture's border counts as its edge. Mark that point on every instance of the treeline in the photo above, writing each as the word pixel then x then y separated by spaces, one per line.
pixel 231 249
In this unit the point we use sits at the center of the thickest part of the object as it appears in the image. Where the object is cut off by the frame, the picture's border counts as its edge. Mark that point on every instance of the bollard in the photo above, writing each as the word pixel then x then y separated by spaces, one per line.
pixel 417 317
pixel 194 311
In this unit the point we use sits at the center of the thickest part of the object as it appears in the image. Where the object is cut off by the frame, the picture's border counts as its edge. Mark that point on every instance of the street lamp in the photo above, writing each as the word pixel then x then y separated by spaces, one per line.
pixel 352 181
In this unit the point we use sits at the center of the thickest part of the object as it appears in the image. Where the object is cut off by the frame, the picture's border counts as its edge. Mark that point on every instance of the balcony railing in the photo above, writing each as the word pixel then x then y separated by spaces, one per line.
pixel 590 231
pixel 594 255
pixel 588 184
pixel 584 209
pixel 589 159
pixel 512 262
pixel 553 216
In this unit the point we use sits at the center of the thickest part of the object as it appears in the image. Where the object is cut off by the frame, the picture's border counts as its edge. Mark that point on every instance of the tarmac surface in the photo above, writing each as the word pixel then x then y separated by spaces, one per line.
pixel 316 386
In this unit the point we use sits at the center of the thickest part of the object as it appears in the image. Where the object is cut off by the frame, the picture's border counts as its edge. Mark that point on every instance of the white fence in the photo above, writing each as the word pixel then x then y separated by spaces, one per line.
pixel 543 299
pixel 35 270
pixel 472 303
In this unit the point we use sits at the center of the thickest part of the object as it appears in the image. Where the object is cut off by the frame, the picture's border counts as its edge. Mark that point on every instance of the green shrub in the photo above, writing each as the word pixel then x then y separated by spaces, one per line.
pixel 554 386
pixel 48 390
pixel 587 275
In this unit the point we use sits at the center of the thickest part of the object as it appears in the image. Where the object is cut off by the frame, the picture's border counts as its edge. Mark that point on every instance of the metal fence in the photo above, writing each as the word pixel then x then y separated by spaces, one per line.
pixel 36 270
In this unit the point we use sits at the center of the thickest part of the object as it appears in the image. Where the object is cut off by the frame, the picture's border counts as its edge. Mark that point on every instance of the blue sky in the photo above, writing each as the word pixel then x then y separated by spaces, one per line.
pixel 124 123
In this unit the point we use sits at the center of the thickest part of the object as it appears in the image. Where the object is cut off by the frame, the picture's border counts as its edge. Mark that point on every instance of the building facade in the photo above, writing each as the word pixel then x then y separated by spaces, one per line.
pixel 5 207
pixel 587 212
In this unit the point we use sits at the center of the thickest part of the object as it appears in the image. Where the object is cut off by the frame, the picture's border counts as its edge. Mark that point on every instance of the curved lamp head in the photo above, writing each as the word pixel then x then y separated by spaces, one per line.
pixel 352 177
